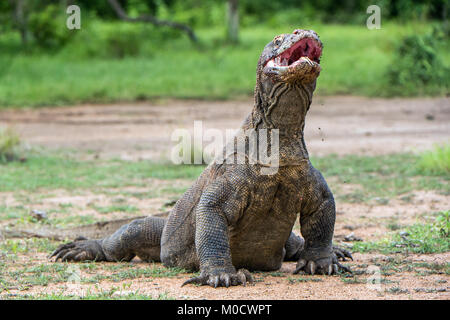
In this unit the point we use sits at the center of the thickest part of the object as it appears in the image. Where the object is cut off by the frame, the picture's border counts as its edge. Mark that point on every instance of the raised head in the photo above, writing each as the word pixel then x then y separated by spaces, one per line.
pixel 286 79
pixel 293 57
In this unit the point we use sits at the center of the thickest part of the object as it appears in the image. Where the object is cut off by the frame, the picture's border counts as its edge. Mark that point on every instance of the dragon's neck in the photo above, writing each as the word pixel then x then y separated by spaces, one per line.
pixel 283 106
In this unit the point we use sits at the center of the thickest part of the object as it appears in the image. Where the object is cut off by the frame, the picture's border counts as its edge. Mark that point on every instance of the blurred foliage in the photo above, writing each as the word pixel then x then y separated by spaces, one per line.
pixel 417 63
pixel 45 27
pixel 9 142
pixel 114 60
pixel 346 11
pixel 436 161
pixel 200 13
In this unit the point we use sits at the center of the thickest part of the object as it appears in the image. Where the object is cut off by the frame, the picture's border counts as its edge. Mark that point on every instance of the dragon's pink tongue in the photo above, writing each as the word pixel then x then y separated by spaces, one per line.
pixel 304 48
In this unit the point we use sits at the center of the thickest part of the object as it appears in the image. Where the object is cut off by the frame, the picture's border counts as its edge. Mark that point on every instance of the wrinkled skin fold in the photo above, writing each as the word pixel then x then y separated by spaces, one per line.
pixel 235 218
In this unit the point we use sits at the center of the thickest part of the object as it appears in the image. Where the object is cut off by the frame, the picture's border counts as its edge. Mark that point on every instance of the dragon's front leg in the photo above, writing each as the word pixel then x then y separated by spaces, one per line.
pixel 317 220
pixel 216 208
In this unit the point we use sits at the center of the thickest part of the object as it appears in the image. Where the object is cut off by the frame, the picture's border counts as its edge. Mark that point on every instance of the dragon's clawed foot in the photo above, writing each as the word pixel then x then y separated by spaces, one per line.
pixel 79 250
pixel 341 253
pixel 324 265
pixel 222 279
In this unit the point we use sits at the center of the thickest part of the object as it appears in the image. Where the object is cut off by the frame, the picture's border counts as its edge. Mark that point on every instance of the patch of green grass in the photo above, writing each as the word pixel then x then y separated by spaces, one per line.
pixel 72 220
pixel 397 290
pixel 12 212
pixel 393 224
pixel 212 70
pixel 39 275
pixel 436 161
pixel 432 268
pixel 112 294
pixel 129 271
pixel 422 237
pixel 23 276
pixel 398 264
pixel 14 246
pixel 57 172
pixel 9 142
pixel 277 274
pixel 351 280
pixel 293 279
pixel 115 208
pixel 379 178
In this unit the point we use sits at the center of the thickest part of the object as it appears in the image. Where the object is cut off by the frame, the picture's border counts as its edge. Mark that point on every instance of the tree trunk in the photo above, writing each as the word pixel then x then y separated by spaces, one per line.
pixel 233 21
pixel 20 19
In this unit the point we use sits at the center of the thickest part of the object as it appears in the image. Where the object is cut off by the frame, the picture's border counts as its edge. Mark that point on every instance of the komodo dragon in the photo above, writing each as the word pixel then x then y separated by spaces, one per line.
pixel 234 218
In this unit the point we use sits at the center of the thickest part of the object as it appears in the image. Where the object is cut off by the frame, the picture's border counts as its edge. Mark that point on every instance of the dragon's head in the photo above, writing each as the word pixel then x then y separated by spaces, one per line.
pixel 293 57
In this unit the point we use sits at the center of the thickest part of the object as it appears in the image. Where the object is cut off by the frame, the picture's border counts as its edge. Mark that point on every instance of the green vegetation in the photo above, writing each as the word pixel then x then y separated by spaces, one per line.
pixel 176 68
pixel 116 208
pixel 29 274
pixel 418 65
pixel 110 60
pixel 112 294
pixel 351 280
pixel 374 177
pixel 431 236
pixel 373 180
pixel 436 161
pixel 380 178
pixel 54 172
pixel 15 246
pixel 9 142
pixel 397 290
pixel 293 279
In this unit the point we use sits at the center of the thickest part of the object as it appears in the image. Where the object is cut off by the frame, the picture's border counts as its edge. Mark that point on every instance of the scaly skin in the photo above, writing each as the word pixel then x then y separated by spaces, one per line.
pixel 235 217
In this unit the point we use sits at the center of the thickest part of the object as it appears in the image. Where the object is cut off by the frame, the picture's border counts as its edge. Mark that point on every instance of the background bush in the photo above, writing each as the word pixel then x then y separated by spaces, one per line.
pixel 417 64
pixel 45 27
pixel 9 142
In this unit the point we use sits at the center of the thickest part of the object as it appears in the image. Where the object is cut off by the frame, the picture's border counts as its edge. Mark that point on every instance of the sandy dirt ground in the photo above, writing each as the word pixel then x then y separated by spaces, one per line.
pixel 341 125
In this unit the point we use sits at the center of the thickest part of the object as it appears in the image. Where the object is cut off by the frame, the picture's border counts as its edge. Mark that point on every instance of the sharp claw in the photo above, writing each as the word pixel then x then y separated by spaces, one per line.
pixel 346 269
pixel 242 278
pixel 52 254
pixel 63 247
pixel 61 254
pixel 311 267
pixel 342 253
pixel 81 256
pixel 226 280
pixel 248 276
pixel 300 264
pixel 330 270
pixel 335 268
pixel 213 281
pixel 196 280
pixel 339 255
pixel 348 254
pixel 69 256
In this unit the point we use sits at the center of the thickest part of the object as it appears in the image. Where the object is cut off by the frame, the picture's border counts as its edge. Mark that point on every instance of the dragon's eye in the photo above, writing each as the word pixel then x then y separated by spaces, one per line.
pixel 277 40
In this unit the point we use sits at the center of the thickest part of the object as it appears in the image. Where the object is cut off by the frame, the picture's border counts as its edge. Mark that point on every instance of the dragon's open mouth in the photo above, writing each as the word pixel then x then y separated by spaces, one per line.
pixel 306 50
